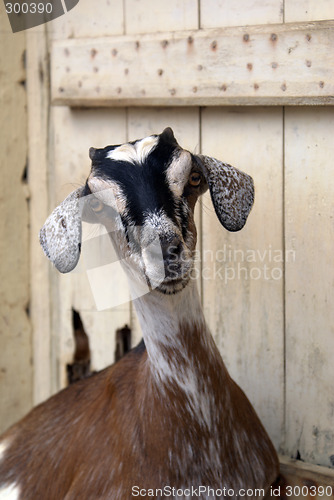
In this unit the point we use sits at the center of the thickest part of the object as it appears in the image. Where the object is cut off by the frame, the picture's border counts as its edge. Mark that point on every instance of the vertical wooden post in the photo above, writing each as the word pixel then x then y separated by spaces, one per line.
pixel 38 116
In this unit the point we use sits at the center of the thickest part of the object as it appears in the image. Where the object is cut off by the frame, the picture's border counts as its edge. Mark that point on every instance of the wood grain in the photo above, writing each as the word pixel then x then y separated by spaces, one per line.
pixel 243 271
pixel 267 64
pixel 309 216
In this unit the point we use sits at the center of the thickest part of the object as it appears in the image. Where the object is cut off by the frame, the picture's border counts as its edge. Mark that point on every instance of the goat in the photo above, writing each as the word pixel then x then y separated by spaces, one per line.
pixel 166 420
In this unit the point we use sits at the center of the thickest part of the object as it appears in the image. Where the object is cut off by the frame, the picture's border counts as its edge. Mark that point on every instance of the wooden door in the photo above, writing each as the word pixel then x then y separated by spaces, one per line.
pixel 235 80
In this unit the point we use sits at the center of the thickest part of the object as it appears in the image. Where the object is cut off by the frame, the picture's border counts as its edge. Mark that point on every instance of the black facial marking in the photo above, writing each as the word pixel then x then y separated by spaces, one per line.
pixel 184 217
pixel 145 184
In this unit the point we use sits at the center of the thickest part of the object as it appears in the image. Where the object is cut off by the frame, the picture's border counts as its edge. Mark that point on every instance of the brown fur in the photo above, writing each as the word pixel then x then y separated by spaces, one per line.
pixel 101 436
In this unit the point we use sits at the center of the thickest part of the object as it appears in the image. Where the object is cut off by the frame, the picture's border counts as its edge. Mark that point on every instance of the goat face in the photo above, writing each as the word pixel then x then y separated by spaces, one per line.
pixel 144 193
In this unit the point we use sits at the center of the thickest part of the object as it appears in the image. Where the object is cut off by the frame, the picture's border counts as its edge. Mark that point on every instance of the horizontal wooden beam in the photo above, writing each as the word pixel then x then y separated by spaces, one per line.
pixel 286 64
pixel 318 482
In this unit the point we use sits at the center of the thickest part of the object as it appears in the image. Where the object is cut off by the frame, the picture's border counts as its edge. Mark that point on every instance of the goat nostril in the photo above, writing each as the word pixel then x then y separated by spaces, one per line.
pixel 171 248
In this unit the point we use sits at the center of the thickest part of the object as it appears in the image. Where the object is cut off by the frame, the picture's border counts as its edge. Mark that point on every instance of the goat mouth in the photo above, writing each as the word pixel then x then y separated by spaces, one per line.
pixel 171 286
pixel 169 277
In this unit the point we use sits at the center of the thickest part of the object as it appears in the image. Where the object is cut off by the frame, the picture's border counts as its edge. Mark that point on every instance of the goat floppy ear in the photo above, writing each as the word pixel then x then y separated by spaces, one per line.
pixel 60 236
pixel 232 192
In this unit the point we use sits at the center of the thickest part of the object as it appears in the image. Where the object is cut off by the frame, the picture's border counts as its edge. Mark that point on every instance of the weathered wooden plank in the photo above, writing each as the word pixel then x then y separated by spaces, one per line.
pixel 274 64
pixel 308 10
pixel 16 373
pixel 149 16
pixel 38 116
pixel 219 13
pixel 304 480
pixel 309 215
pixel 243 272
pixel 102 18
pixel 184 122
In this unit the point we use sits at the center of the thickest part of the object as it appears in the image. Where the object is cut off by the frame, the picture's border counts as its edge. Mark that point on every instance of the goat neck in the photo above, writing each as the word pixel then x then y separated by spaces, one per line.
pixel 166 319
pixel 179 345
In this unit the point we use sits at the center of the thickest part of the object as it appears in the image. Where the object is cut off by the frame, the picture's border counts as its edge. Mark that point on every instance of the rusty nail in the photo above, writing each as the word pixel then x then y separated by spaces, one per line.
pixel 250 66
pixel 137 45
pixel 160 72
pixel 273 37
pixel 321 84
pixel 172 91
pixel 190 39
pixel 223 87
pixel 164 43
pixel 194 90
pixel 114 52
pixel 199 67
pixel 308 37
pixel 214 45
pixel 93 53
pixel 256 86
pixel 308 63
pixel 246 37
pixel 283 87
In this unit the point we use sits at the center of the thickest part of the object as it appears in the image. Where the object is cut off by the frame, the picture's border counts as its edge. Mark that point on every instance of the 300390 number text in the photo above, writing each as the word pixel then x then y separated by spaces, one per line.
pixel 31 8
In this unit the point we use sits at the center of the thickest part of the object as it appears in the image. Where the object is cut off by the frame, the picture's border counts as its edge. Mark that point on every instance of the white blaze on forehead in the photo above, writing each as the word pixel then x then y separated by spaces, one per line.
pixel 9 492
pixel 109 192
pixel 134 153
pixel 178 172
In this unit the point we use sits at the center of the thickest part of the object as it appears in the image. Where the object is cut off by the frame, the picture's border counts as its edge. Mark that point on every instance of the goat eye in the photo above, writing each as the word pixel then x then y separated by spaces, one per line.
pixel 195 179
pixel 96 205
